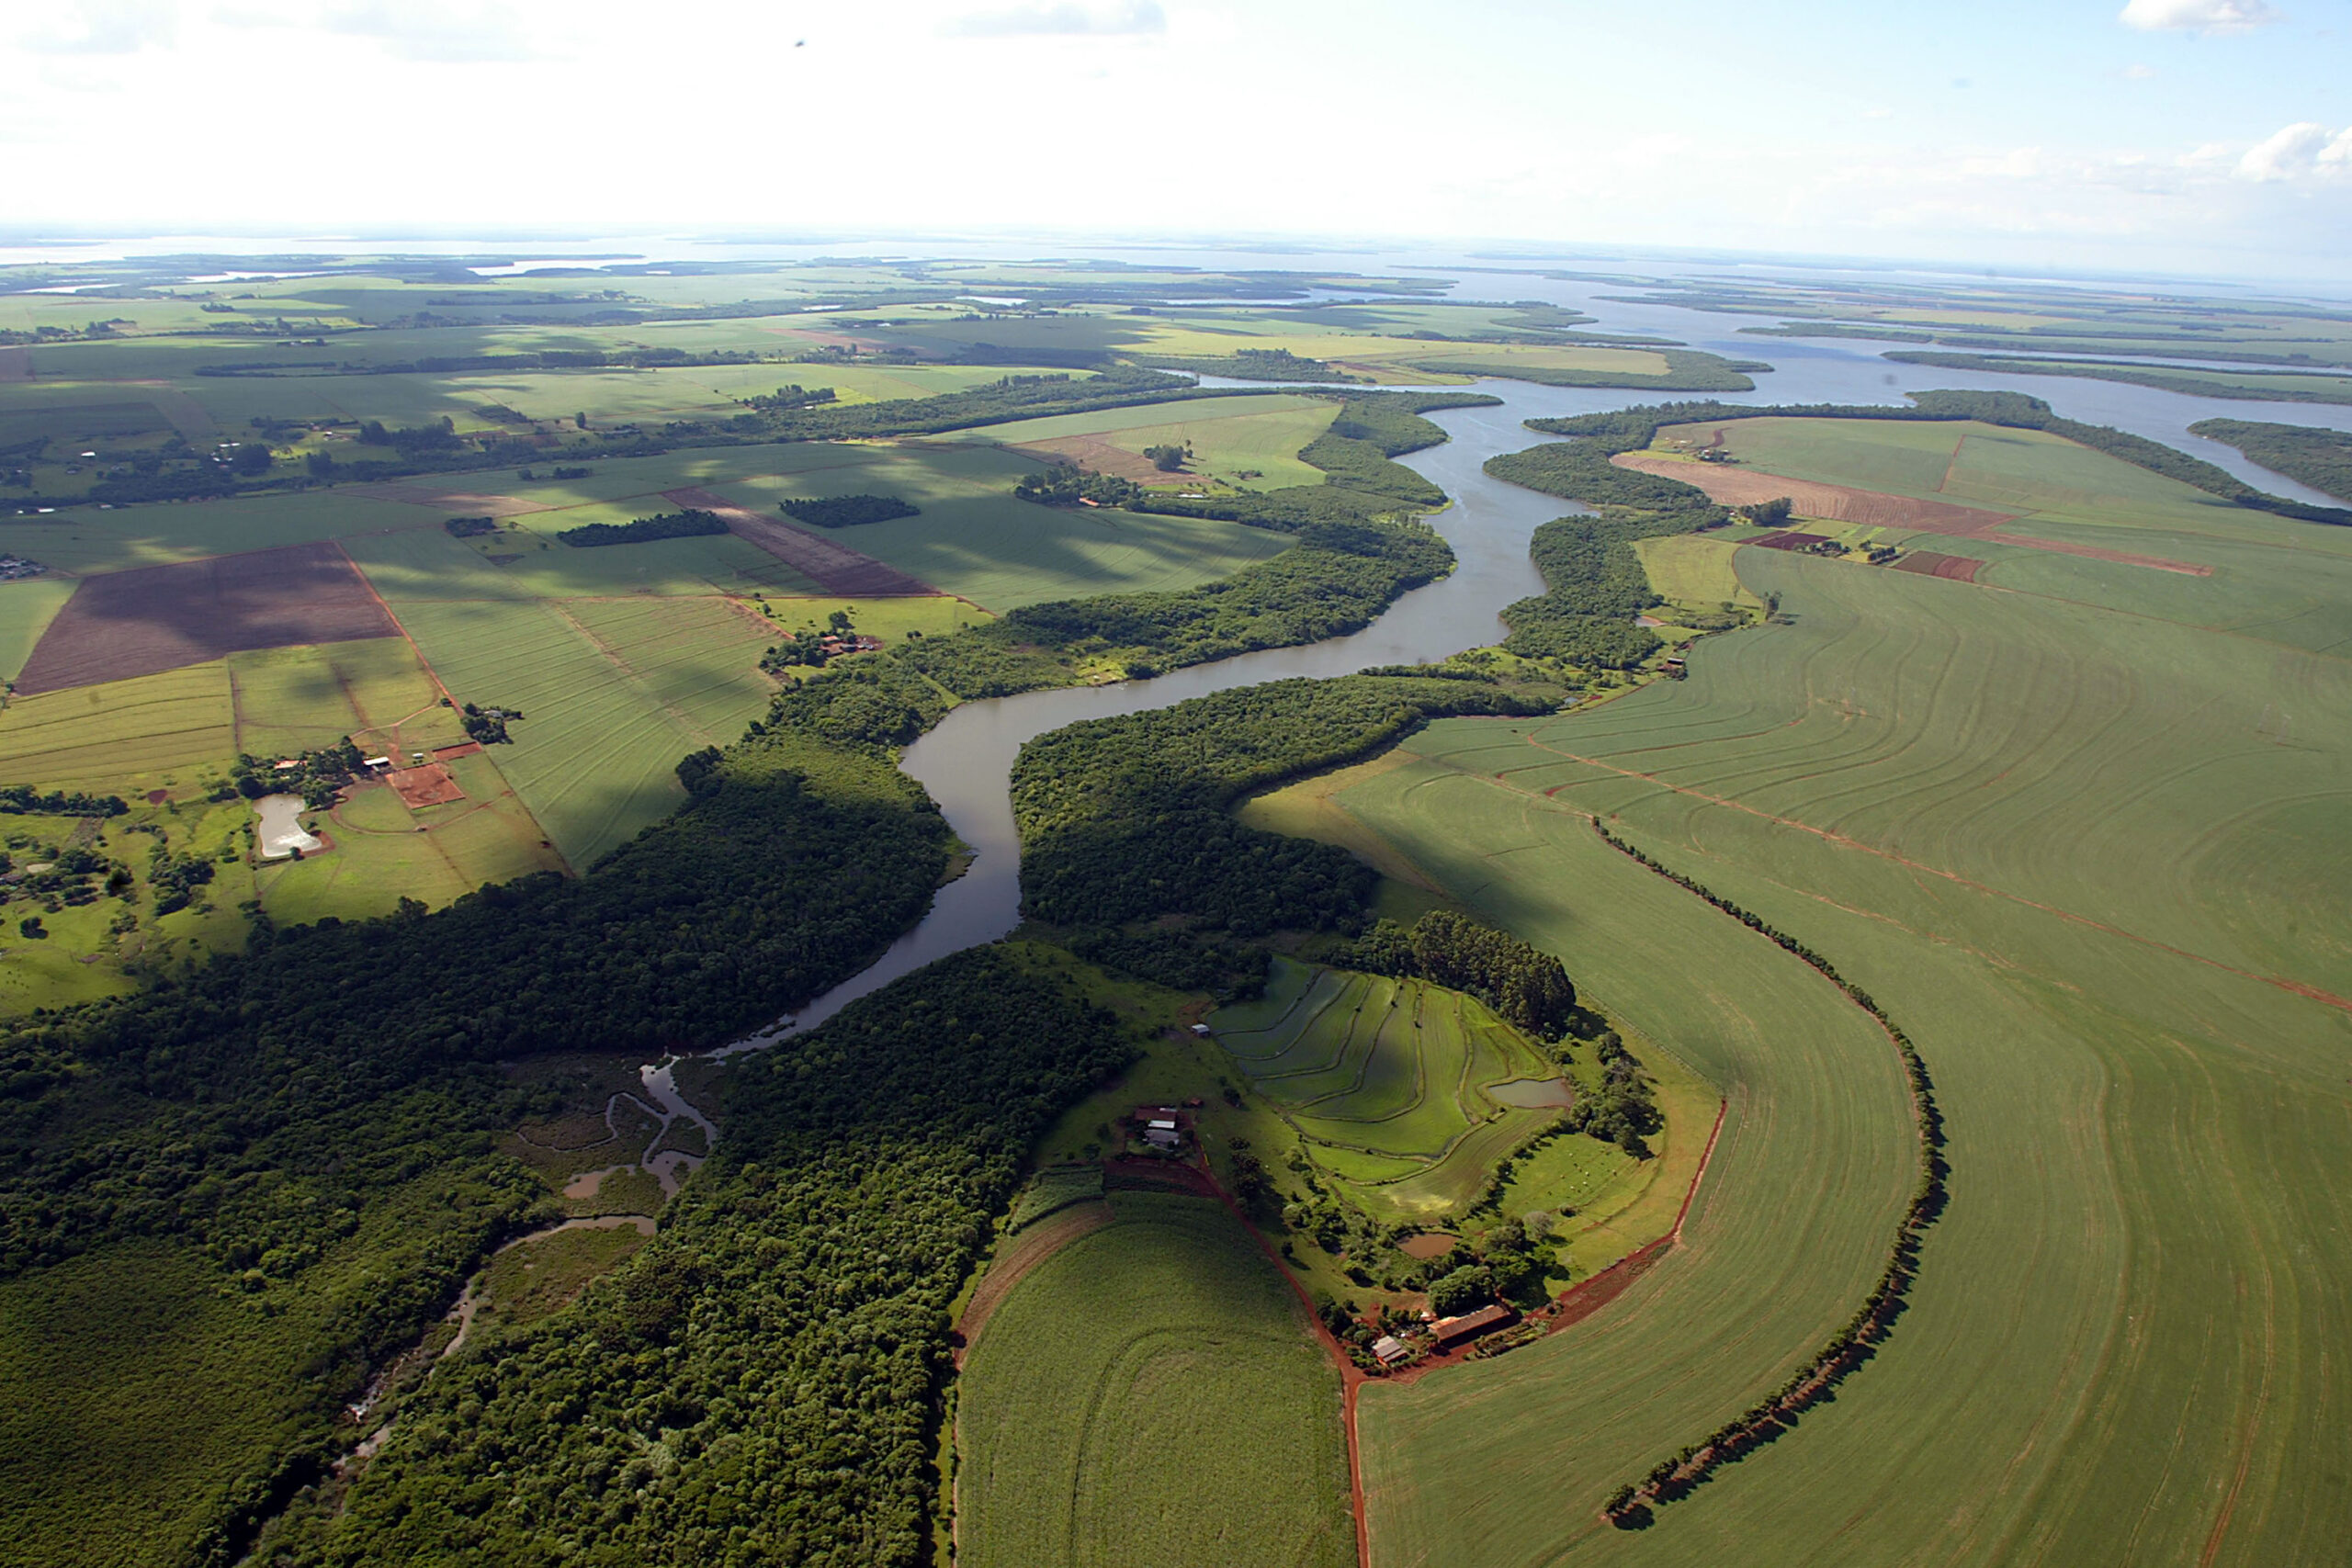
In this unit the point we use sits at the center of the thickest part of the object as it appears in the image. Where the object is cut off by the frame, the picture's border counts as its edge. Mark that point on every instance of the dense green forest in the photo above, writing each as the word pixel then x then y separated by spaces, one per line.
pixel 1129 819
pixel 1523 982
pixel 644 530
pixel 847 511
pixel 761 1383
pixel 2320 459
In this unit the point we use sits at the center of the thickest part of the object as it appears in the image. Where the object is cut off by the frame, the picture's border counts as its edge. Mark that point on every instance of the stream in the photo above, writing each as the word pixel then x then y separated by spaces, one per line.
pixel 966 761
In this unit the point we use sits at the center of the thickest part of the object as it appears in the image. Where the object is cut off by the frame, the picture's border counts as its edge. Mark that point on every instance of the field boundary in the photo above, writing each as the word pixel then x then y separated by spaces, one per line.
pixel 1674 1478
pixel 836 569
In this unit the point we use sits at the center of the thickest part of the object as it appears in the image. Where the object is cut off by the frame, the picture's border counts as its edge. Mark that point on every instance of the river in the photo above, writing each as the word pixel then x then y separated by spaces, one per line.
pixel 966 761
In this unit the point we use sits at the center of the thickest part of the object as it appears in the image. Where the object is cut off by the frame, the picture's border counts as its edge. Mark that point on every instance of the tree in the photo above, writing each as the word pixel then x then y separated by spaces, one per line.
pixel 1467 1288
pixel 1170 458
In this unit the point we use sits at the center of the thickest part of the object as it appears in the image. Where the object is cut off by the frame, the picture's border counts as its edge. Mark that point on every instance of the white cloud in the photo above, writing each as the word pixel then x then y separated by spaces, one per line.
pixel 437 33
pixel 2293 150
pixel 2139 73
pixel 106 27
pixel 1068 19
pixel 2198 15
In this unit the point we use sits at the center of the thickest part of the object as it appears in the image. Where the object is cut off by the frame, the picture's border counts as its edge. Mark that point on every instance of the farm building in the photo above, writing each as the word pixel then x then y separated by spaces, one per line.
pixel 1450 1331
pixel 1161 1138
pixel 1201 1030
pixel 1389 1349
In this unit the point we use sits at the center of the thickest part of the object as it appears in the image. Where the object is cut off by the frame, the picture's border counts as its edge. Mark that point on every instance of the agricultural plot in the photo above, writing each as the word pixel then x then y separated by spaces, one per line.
pixel 383 851
pixel 86 541
pixel 976 542
pixel 1230 437
pixel 1153 1393
pixel 291 700
pixel 1695 569
pixel 153 619
pixel 615 694
pixel 1389 1082
pixel 2120 961
pixel 529 563
pixel 26 609
pixel 147 732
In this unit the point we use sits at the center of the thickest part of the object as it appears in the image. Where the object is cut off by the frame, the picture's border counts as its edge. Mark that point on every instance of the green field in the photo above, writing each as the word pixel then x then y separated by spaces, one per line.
pixel 153 731
pixel 1229 438
pixel 383 851
pixel 614 693
pixel 1386 1081
pixel 290 700
pixel 2090 850
pixel 1151 1394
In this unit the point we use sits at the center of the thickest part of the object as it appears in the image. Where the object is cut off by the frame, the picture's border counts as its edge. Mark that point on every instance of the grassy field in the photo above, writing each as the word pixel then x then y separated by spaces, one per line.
pixel 1229 438
pixel 123 736
pixel 26 609
pixel 1386 1081
pixel 1151 1394
pixel 289 700
pixel 2090 850
pixel 1695 569
pixel 383 851
pixel 612 693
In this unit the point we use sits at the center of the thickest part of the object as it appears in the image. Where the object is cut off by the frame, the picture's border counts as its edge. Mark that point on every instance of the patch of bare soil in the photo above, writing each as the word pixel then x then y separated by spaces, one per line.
pixel 432 785
pixel 1731 486
pixel 154 618
pixel 1096 455
pixel 836 569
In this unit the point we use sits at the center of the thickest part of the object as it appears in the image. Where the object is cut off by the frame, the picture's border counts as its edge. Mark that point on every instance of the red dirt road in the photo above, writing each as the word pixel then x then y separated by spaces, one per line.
pixel 150 619
pixel 835 569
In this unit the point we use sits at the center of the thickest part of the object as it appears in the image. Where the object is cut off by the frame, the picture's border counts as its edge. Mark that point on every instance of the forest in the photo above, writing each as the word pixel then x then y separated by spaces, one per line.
pixel 644 530
pixel 1525 984
pixel 847 511
pixel 762 1382
pixel 1129 819
pixel 2320 459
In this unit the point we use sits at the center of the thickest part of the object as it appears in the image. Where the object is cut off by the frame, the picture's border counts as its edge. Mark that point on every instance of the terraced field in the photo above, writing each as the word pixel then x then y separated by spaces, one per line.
pixel 2088 848
pixel 1152 1394
pixel 1386 1080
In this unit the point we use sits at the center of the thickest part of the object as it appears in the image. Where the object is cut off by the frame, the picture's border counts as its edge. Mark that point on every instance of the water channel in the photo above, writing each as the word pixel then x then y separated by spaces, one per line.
pixel 966 761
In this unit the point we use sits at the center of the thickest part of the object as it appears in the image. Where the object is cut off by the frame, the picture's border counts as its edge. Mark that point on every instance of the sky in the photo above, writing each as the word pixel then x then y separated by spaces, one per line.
pixel 2188 137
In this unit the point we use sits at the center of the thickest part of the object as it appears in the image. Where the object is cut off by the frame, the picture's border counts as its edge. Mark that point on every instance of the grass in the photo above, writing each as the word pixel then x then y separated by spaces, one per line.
pixel 290 700
pixel 1151 1393
pixel 2088 850
pixel 26 609
pixel 122 736
pixel 383 851
pixel 613 693
pixel 1384 1079
pixel 539 1278
pixel 1694 570
pixel 1261 436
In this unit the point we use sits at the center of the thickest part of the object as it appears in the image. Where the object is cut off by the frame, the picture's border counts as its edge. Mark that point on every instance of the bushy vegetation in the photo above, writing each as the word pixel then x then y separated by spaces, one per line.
pixel 847 511
pixel 1182 961
pixel 1127 818
pixel 23 800
pixel 692 522
pixel 1525 984
pixel 2320 459
pixel 761 1382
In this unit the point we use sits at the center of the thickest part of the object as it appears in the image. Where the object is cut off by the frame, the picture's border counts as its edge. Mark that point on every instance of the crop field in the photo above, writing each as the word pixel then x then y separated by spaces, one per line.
pixel 26 609
pixel 86 541
pixel 614 693
pixel 1151 1393
pixel 290 700
pixel 1694 570
pixel 1231 437
pixel 383 851
pixel 2120 959
pixel 152 619
pixel 1386 1081
pixel 1002 554
pixel 142 733
pixel 428 564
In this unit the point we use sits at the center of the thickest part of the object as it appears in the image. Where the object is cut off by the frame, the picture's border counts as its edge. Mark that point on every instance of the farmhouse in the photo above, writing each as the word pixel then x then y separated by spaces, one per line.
pixel 1450 1331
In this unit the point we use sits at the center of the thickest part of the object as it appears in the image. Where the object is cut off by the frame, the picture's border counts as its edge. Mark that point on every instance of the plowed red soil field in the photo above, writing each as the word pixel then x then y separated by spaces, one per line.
pixel 835 568
pixel 155 618
pixel 431 784
pixel 1958 568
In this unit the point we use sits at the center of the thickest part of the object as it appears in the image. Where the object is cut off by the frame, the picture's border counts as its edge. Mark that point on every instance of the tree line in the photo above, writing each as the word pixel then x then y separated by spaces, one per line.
pixel 1673 1477
pixel 2320 459
pixel 846 510
pixel 688 523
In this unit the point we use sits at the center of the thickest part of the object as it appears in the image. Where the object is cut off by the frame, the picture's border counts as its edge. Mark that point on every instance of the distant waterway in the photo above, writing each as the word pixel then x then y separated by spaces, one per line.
pixel 967 761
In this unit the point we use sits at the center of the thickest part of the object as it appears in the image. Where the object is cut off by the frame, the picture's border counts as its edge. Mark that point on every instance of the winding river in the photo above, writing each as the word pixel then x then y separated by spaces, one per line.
pixel 966 761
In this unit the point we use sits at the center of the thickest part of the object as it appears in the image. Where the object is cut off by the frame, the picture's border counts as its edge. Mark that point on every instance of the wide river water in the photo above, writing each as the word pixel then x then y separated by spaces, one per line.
pixel 965 763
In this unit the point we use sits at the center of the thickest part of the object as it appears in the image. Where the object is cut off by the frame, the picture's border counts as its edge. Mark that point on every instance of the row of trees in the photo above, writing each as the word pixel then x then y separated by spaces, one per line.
pixel 684 525
pixel 1674 1476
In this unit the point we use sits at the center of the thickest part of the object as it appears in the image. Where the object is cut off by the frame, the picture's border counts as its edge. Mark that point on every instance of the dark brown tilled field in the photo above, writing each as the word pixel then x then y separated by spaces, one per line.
pixel 155 618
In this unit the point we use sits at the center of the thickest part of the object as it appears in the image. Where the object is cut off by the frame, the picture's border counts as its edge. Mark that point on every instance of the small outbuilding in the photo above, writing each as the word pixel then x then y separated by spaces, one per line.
pixel 1388 1349
pixel 1201 1030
